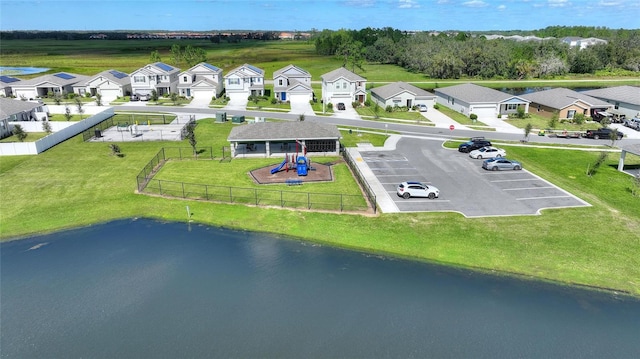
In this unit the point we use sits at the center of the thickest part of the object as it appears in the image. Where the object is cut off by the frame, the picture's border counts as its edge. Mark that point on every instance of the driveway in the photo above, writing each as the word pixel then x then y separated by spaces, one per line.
pixel 464 186
pixel 348 112
pixel 301 108
pixel 199 103
pixel 237 101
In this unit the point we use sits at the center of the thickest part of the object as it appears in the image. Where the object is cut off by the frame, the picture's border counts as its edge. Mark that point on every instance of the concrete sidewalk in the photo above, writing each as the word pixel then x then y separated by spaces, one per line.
pixel 441 120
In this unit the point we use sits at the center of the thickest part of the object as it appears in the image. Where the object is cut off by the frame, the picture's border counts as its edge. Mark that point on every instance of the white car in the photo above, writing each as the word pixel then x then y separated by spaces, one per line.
pixel 410 189
pixel 422 107
pixel 487 152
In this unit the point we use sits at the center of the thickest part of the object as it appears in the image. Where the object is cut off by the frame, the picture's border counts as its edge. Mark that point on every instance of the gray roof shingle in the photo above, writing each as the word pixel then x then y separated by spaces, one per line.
pixel 393 89
pixel 10 107
pixel 472 93
pixel 284 131
pixel 626 94
pixel 560 98
pixel 341 72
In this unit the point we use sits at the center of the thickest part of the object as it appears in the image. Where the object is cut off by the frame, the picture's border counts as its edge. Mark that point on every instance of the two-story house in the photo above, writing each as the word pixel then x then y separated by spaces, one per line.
pixel 292 84
pixel 246 79
pixel 342 85
pixel 157 76
pixel 201 81
pixel 110 84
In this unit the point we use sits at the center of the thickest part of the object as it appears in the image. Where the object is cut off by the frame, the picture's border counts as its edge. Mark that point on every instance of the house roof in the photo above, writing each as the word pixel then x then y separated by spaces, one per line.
pixel 393 89
pixel 208 69
pixel 291 71
pixel 113 75
pixel 10 107
pixel 472 93
pixel 626 94
pixel 283 131
pixel 341 73
pixel 164 67
pixel 560 98
pixel 8 81
pixel 246 70
pixel 60 78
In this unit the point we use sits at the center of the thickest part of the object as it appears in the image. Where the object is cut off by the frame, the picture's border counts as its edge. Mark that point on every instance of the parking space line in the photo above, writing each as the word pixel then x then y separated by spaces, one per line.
pixel 526 188
pixel 547 197
pixel 515 180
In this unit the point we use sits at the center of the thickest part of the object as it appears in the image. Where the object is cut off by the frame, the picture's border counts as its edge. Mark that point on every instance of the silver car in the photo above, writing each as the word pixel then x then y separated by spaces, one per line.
pixel 410 189
pixel 501 164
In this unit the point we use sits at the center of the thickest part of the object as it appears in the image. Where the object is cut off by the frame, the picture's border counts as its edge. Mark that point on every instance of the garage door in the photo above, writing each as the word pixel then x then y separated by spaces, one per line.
pixel 299 98
pixel 109 95
pixel 202 94
pixel 484 112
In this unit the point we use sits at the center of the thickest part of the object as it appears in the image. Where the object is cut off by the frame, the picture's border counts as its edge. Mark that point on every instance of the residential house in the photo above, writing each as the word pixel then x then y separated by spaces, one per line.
pixel 342 85
pixel 246 79
pixel 567 103
pixel 201 81
pixel 12 110
pixel 401 94
pixel 483 101
pixel 110 84
pixel 292 84
pixel 625 99
pixel 6 85
pixel 582 43
pixel 157 76
pixel 59 83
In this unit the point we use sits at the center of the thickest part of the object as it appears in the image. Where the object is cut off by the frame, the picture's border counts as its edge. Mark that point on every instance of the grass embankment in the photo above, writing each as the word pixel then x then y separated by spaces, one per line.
pixel 77 183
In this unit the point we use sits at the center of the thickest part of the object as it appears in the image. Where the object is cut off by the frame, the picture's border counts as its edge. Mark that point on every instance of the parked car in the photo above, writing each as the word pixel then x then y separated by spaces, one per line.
pixel 341 106
pixel 134 97
pixel 473 144
pixel 487 152
pixel 602 133
pixel 633 123
pixel 501 164
pixel 422 107
pixel 144 97
pixel 410 189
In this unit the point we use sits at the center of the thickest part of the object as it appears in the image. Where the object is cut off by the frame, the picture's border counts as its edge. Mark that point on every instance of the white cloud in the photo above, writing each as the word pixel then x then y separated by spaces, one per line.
pixel 475 3
pixel 610 3
pixel 408 4
pixel 502 7
pixel 361 3
pixel 559 3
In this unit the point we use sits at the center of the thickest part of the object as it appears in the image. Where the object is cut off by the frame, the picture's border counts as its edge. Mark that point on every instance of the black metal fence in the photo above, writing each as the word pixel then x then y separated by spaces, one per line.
pixel 253 196
pixel 91 132
pixel 371 195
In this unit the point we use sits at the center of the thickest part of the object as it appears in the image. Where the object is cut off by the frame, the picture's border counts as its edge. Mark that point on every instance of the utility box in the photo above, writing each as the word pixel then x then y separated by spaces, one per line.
pixel 237 119
pixel 221 117
pixel 98 133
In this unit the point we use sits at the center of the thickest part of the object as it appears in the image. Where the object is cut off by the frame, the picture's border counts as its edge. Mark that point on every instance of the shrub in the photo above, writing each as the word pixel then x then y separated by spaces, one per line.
pixel 388 108
pixel 367 103
pixel 355 104
pixel 473 116
pixel 579 119
pixel 87 94
pixel 71 95
pixel 329 106
pixel 274 100
pixel 436 106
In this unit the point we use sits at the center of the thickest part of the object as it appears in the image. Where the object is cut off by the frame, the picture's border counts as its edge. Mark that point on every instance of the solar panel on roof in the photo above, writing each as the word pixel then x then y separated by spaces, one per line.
pixel 64 76
pixel 118 74
pixel 254 69
pixel 8 79
pixel 163 66
pixel 211 67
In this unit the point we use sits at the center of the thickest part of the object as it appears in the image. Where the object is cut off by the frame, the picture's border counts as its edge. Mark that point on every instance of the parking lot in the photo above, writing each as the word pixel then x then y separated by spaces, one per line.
pixel 464 186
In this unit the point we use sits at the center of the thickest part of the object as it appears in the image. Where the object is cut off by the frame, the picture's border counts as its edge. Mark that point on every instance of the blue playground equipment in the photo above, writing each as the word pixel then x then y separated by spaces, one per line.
pixel 279 168
pixel 301 166
pixel 300 163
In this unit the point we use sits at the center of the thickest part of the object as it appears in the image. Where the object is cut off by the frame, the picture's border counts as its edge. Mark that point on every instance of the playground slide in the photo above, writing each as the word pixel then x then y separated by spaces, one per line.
pixel 276 169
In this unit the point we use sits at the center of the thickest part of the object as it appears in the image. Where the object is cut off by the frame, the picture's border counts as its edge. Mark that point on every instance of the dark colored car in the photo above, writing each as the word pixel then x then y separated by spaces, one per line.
pixel 474 144
pixel 341 106
pixel 134 97
pixel 604 133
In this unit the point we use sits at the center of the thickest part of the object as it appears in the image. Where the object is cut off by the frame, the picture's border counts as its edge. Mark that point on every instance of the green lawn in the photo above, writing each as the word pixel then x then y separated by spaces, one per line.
pixel 31 137
pixel 596 246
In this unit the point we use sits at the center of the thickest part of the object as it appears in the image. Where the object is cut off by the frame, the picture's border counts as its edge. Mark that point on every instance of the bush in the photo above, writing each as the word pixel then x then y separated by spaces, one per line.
pixel 436 106
pixel 388 108
pixel 71 95
pixel 87 94
pixel 329 106
pixel 367 103
pixel 473 116
pixel 274 100
pixel 355 104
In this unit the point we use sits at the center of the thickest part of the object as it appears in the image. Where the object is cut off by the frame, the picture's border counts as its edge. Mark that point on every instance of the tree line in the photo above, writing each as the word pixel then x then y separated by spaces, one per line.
pixel 471 55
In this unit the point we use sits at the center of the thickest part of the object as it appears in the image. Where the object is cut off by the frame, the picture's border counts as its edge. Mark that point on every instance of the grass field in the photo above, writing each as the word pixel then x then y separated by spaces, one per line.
pixel 597 246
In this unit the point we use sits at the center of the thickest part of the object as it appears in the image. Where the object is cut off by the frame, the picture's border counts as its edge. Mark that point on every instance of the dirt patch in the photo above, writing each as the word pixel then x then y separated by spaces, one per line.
pixel 318 172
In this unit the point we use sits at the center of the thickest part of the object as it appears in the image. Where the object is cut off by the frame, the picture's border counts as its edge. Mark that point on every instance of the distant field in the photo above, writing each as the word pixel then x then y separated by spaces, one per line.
pixel 89 57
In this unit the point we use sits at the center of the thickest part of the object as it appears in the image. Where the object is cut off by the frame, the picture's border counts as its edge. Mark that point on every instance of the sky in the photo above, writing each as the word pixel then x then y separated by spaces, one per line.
pixel 302 15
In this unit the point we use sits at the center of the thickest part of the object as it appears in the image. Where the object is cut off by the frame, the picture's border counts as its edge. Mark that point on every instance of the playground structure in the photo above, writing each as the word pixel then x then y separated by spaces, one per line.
pixel 295 162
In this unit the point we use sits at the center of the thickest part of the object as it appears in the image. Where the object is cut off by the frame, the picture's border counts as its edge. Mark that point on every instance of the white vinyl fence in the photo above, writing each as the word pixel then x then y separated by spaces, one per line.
pixel 61 132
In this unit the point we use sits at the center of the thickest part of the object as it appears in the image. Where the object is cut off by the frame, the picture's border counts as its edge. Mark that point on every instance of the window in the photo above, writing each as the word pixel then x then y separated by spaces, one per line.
pixel 571 113
pixel 616 105
pixel 184 79
pixel 344 85
pixel 512 107
pixel 234 81
pixel 280 82
pixel 139 79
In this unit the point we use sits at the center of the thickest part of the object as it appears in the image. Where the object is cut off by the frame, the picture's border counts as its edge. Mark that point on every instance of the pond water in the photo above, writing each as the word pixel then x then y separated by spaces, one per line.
pixel 17 71
pixel 146 289
pixel 517 91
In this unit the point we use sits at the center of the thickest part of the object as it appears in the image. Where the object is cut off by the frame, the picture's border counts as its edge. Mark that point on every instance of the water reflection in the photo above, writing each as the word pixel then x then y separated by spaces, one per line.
pixel 149 289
